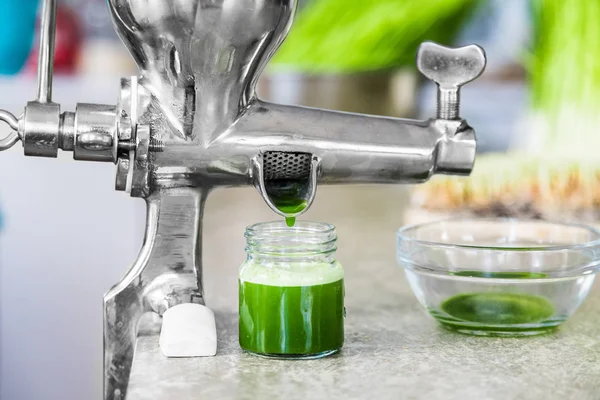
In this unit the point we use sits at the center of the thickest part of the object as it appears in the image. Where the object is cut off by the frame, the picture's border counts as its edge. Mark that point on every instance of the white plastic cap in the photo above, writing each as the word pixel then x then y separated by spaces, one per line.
pixel 188 330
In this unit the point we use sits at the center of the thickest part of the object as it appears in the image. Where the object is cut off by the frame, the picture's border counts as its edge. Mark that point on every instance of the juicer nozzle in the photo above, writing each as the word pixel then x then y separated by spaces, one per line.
pixel 287 181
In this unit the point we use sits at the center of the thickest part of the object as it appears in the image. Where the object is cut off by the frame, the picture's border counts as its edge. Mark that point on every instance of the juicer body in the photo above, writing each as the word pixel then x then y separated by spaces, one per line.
pixel 200 62
pixel 191 122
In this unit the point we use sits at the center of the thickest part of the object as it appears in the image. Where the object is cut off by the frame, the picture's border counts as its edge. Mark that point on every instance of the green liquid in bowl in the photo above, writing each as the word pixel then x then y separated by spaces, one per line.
pixel 498 313
pixel 492 308
pixel 291 320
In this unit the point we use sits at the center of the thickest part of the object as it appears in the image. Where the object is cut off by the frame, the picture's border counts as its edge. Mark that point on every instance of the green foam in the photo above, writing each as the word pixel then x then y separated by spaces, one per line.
pixel 292 273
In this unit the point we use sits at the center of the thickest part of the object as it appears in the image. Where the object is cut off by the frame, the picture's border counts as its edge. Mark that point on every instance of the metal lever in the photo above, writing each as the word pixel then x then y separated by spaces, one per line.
pixel 42 117
pixel 40 130
pixel 450 68
pixel 46 52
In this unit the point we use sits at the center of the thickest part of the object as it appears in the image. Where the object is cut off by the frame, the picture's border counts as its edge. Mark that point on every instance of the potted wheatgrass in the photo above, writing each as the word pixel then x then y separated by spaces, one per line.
pixel 553 172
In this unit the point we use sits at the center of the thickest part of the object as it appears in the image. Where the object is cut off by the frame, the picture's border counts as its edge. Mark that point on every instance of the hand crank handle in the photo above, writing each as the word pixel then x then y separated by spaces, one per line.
pixel 92 132
pixel 46 52
pixel 45 72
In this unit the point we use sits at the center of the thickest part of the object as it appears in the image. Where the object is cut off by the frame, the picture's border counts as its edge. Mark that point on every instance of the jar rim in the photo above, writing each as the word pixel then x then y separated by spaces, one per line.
pixel 276 228
pixel 304 238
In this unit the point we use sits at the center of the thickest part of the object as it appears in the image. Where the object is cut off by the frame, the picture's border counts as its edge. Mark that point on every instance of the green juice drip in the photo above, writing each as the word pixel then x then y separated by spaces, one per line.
pixel 290 206
pixel 286 195
pixel 291 320
pixel 492 308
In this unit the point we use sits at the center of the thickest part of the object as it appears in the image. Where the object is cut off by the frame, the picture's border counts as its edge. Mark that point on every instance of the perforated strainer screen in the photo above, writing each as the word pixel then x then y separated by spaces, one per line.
pixel 284 165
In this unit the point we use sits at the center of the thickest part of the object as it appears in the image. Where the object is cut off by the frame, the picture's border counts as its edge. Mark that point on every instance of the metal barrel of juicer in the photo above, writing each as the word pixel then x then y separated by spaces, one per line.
pixel 192 122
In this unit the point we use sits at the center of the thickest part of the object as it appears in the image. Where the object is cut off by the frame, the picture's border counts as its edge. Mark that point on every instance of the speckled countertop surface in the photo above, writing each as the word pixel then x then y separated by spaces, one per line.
pixel 393 348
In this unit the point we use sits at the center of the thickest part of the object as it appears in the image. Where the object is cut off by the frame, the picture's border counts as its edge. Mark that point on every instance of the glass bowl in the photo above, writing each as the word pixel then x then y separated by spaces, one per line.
pixel 499 277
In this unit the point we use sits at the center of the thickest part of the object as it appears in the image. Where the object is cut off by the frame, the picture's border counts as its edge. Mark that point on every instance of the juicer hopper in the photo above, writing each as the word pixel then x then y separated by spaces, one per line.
pixel 191 122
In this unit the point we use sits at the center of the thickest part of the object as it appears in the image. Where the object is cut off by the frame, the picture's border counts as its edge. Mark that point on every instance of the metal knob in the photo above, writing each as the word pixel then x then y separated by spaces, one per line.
pixel 450 68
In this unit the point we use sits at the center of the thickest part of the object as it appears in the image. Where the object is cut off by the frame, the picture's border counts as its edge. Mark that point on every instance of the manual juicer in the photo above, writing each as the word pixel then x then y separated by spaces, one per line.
pixel 191 122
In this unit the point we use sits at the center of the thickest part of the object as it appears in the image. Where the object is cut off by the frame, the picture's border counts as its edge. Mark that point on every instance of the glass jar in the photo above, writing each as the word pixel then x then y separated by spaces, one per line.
pixel 291 291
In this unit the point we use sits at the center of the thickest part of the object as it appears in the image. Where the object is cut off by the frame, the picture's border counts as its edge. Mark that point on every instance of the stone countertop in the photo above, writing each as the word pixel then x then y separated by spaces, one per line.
pixel 393 348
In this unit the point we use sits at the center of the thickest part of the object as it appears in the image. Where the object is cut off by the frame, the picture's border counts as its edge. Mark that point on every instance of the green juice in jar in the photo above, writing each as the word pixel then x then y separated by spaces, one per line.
pixel 296 311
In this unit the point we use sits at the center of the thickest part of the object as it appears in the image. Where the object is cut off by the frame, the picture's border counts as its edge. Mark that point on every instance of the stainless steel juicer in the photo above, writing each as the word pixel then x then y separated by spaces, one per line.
pixel 191 122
